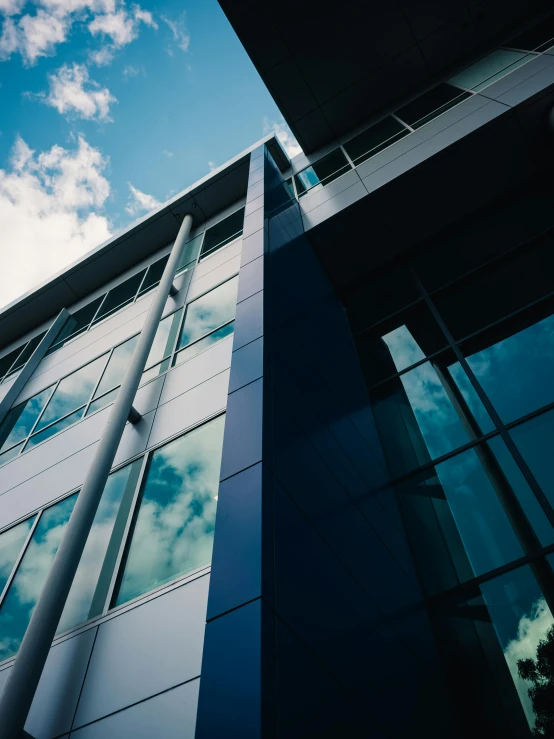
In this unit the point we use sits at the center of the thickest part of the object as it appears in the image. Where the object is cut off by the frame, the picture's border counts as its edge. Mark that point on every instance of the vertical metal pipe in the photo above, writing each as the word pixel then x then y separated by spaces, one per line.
pixel 25 675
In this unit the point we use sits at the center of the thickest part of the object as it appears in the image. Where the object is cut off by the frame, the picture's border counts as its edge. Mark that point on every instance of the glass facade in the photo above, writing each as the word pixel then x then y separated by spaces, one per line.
pixel 155 523
pixel 15 360
pixel 458 377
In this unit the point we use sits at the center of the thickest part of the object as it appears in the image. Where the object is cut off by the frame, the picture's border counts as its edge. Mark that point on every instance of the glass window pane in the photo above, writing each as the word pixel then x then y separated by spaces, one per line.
pixel 454 513
pixel 155 371
pixel 55 428
pixel 375 139
pixel 117 366
pixel 73 391
pixel 7 361
pixel 325 170
pixel 173 532
pixel 102 401
pixel 416 418
pixel 431 104
pixel 11 453
pixel 164 341
pixel 11 544
pixel 537 38
pixel 472 409
pixel 20 420
pixel 24 591
pixel 89 590
pixel 209 312
pixel 223 232
pixel 120 296
pixel 190 254
pixel 489 69
pixel 26 353
pixel 207 341
pixel 523 623
pixel 153 275
pixel 535 439
pixel 76 324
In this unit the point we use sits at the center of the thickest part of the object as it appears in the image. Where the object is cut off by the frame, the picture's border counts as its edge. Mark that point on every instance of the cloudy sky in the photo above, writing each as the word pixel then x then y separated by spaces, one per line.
pixel 107 108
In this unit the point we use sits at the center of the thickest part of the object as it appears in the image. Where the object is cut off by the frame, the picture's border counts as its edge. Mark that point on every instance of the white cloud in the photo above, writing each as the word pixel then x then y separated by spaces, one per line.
pixel 212 166
pixel 49 216
pixel 102 56
pixel 11 7
pixel 72 92
pixel 121 26
pixel 179 31
pixel 168 153
pixel 140 202
pixel 130 71
pixel 32 36
pixel 284 134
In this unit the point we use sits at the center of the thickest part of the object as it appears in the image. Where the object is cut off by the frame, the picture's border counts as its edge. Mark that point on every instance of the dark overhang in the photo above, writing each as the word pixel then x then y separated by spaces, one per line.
pixel 330 66
pixel 204 200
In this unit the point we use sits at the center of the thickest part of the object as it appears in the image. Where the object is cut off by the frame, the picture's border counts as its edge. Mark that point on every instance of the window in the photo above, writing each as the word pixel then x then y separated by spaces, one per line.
pixel 206 315
pixel 152 531
pixel 375 139
pixel 489 69
pixel 431 104
pixel 223 233
pixel 18 358
pixel 162 347
pixel 324 171
pixel 119 296
pixel 76 324
pixel 190 254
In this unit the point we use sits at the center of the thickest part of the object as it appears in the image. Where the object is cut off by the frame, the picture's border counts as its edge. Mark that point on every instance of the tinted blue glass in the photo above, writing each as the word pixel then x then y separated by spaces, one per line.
pixel 490 68
pixel 55 428
pixel 11 453
pixel 102 401
pixel 164 341
pixel 209 312
pixel 174 530
pixel 20 420
pixel 517 373
pixel 73 391
pixel 89 590
pixel 474 406
pixel 24 591
pixel 117 366
pixel 190 254
pixel 534 440
pixel 199 346
pixel 11 544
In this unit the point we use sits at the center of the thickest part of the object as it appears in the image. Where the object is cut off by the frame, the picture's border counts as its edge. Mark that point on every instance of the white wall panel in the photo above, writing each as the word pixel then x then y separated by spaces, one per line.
pixel 150 648
pixel 217 259
pixel 190 408
pixel 213 278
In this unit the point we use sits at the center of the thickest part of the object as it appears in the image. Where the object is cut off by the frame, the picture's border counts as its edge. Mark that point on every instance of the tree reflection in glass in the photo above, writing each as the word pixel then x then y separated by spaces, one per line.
pixel 174 529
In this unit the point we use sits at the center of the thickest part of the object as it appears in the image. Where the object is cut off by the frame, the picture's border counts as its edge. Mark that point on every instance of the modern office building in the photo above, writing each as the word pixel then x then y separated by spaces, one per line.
pixel 330 514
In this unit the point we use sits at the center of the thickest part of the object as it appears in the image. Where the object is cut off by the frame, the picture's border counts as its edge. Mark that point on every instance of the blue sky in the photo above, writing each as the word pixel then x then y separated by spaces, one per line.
pixel 108 108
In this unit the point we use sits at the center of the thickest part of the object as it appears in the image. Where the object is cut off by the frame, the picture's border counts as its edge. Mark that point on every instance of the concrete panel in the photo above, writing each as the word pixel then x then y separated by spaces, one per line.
pixel 216 260
pixel 45 487
pixel 52 451
pixel 190 408
pixel 171 715
pixel 321 195
pixel 150 648
pixel 134 439
pixel 213 278
pixel 58 691
pixel 197 370
pixel 333 206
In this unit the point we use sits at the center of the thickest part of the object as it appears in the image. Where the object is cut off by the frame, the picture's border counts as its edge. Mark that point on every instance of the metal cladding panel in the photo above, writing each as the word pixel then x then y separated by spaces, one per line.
pixel 171 715
pixel 145 650
pixel 217 259
pixel 213 278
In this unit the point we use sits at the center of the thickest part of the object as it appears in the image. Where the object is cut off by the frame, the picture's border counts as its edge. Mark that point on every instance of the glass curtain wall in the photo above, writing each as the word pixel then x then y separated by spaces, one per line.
pixel 459 375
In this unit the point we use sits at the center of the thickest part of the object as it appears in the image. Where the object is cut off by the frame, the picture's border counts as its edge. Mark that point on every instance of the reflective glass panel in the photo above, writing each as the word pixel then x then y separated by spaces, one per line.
pixel 190 254
pixel 117 366
pixel 223 232
pixel 20 420
pixel 90 587
pixel 55 428
pixel 26 353
pixel 489 69
pixel 431 104
pixel 157 369
pixel 25 588
pixel 416 418
pixel 516 373
pixel 73 391
pixel 164 340
pixel 207 341
pixel 325 170
pixel 523 623
pixel 535 439
pixel 173 532
pixel 102 401
pixel 375 139
pixel 209 312
pixel 7 361
pixel 153 275
pixel 120 296
pixel 11 453
pixel 11 544
pixel 471 408
pixel 76 324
